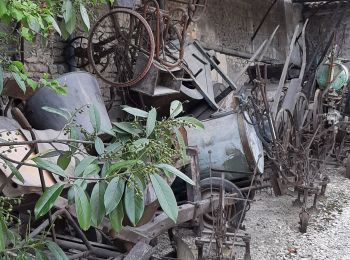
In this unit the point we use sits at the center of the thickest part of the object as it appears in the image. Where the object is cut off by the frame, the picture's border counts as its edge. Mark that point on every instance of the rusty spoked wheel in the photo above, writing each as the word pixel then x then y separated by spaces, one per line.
pixel 234 213
pixel 123 43
pixel 80 54
pixel 301 111
pixel 171 49
pixel 284 127
pixel 173 38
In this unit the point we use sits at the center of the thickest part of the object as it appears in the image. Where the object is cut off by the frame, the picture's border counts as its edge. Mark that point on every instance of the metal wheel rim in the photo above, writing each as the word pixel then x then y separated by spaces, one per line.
pixel 150 54
pixel 208 218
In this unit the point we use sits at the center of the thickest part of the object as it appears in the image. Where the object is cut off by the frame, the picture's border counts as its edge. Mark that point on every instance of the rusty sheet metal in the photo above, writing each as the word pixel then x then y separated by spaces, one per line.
pixel 233 142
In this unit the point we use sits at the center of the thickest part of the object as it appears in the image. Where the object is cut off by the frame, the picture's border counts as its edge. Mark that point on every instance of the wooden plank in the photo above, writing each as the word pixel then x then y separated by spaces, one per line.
pixel 162 222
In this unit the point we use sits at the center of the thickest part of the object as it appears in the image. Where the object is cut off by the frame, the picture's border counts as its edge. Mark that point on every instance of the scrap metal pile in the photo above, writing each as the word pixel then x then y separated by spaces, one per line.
pixel 251 141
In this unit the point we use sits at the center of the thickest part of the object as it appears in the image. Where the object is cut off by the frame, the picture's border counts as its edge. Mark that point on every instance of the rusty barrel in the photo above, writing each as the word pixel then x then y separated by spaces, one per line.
pixel 234 145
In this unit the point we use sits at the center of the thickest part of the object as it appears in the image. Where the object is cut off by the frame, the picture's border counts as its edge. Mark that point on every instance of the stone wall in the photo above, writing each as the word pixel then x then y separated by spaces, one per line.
pixel 231 24
pixel 51 58
pixel 319 31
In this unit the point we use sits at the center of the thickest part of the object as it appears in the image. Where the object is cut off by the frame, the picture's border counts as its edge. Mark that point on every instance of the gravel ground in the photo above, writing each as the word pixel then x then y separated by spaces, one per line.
pixel 273 225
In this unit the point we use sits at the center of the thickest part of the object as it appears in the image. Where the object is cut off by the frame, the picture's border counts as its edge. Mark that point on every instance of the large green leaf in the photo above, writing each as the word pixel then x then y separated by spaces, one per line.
pixel 47 199
pixel 15 171
pixel 40 255
pixel 83 208
pixel 3 8
pixel 51 167
pixel 83 164
pixel 64 160
pixel 165 196
pixel 71 195
pixel 33 24
pixel 133 199
pixel 81 183
pixel 70 25
pixel 128 128
pixel 105 169
pixel 172 169
pixel 175 108
pixel 54 24
pixel 151 121
pixel 19 81
pixel 191 121
pixel 1 79
pixel 107 131
pixel 97 203
pixel 116 217
pixel 51 153
pixel 56 250
pixel 3 232
pixel 68 10
pixel 95 118
pixel 58 111
pixel 135 111
pixel 114 147
pixel 85 16
pixel 73 134
pixel 99 146
pixel 181 143
pixel 92 170
pixel 114 193
pixel 121 165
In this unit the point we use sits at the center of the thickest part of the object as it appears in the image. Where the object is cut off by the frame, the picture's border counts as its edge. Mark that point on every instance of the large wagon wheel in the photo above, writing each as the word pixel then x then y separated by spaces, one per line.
pixel 124 38
pixel 301 111
pixel 284 127
pixel 234 213
pixel 171 49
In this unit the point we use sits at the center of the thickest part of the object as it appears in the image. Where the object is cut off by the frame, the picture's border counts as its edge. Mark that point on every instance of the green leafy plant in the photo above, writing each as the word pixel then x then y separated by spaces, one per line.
pixel 15 246
pixel 142 154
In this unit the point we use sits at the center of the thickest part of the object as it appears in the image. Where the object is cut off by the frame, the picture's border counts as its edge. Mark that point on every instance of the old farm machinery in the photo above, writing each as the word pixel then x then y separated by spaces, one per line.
pixel 249 143
pixel 124 43
pixel 212 202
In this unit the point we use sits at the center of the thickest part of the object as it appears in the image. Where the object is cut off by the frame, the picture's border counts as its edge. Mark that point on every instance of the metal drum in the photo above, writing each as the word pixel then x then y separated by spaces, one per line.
pixel 339 75
pixel 234 145
pixel 83 89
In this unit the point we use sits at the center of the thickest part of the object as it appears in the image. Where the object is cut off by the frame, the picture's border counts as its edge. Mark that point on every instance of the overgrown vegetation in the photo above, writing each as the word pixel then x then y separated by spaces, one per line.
pixel 141 154
pixel 12 245
pixel 34 21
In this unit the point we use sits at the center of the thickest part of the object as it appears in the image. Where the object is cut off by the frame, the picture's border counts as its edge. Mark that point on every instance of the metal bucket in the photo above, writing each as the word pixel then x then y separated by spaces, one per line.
pixel 83 89
pixel 234 145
